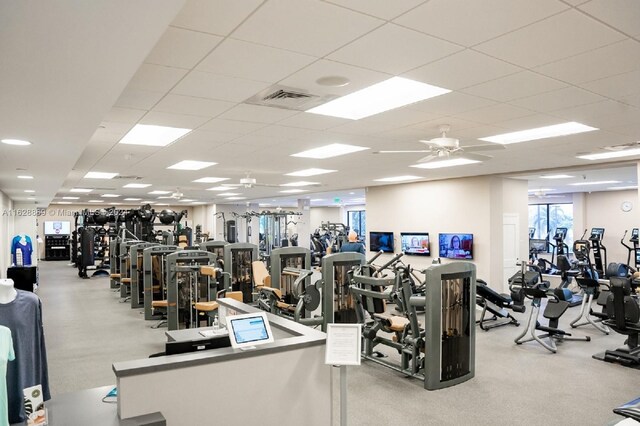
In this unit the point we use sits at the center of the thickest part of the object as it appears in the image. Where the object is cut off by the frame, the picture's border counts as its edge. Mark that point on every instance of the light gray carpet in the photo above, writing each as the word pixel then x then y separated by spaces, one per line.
pixel 87 330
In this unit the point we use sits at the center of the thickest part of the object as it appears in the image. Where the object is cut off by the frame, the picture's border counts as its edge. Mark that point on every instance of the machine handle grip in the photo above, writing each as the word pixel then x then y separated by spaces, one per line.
pixel 393 260
pixel 377 255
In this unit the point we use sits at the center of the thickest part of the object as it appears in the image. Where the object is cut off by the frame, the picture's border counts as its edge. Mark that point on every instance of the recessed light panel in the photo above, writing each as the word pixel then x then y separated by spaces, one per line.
pixel 17 142
pixel 617 188
pixel 310 172
pixel 328 151
pixel 110 195
pixel 100 175
pixel 556 177
pixel 218 188
pixel 30 191
pixel 452 162
pixel 236 198
pixel 132 199
pixel 137 185
pixel 398 178
pixel 300 183
pixel 186 200
pixel 540 190
pixel 384 96
pixel 611 154
pixel 85 190
pixel 210 180
pixel 63 202
pixel 293 191
pixel 150 135
pixel 96 201
pixel 230 194
pixel 562 129
pixel 191 165
pixel 70 198
pixel 601 182
pixel 25 177
pixel 159 192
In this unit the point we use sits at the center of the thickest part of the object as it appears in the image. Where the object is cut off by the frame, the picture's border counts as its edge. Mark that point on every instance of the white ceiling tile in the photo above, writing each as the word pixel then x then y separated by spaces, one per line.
pixel 576 2
pixel 431 128
pixel 213 86
pixel 203 138
pixel 452 103
pixel 380 8
pixel 252 61
pixel 461 70
pixel 179 104
pixel 257 114
pixel 621 14
pixel 568 33
pixel 361 127
pixel 359 78
pixel 283 132
pixel 603 115
pixel 606 61
pixel 156 78
pixel 214 16
pixel 515 86
pixel 174 120
pixel 632 130
pixel 313 121
pixel 471 22
pixel 312 27
pixel 231 126
pixel 623 87
pixel 138 99
pixel 558 99
pixel 124 115
pixel 494 113
pixel 394 50
pixel 181 48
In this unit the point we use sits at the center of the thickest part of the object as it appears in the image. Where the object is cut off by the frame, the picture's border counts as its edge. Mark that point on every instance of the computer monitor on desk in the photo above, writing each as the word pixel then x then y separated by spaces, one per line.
pixel 249 330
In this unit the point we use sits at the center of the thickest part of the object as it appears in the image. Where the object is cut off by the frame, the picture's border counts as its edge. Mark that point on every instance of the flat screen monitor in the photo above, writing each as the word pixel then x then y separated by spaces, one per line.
pixel 57 227
pixel 415 243
pixel 381 241
pixel 532 233
pixel 249 330
pixel 597 234
pixel 634 234
pixel 561 234
pixel 456 246
pixel 537 245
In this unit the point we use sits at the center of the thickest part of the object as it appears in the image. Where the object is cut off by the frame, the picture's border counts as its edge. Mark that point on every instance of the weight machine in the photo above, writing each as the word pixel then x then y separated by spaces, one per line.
pixel 124 259
pixel 338 303
pixel 273 229
pixel 186 285
pixel 155 279
pixel 137 273
pixel 238 259
pixel 114 255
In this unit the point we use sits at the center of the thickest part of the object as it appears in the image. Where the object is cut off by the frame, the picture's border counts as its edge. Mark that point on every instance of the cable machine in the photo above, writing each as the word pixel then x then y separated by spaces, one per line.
pixel 137 273
pixel 238 259
pixel 154 280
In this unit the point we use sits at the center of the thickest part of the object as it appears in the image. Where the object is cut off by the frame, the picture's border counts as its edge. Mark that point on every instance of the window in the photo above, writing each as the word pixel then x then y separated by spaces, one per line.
pixel 545 218
pixel 357 221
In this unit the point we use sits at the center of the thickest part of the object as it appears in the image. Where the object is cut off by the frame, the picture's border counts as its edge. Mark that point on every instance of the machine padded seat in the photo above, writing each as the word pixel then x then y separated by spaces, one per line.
pixel 261 276
pixel 483 290
pixel 209 271
pixel 393 322
pixel 125 280
pixel 555 309
pixel 206 306
pixel 115 276
pixel 285 306
pixel 276 292
pixel 160 304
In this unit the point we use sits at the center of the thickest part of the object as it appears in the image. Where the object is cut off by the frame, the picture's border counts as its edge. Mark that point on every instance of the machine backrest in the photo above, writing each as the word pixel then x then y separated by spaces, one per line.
pixel 621 307
pixel 260 274
pixel 617 270
pixel 563 263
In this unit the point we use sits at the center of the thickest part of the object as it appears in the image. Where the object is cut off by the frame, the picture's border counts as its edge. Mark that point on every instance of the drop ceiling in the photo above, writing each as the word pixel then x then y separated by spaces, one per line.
pixel 75 88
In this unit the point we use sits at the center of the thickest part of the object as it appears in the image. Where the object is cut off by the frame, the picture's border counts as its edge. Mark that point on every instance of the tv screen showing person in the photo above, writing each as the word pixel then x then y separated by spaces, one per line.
pixel 415 243
pixel 456 246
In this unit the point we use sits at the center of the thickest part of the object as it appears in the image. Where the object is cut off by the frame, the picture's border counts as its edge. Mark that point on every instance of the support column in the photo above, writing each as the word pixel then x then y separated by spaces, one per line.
pixel 303 226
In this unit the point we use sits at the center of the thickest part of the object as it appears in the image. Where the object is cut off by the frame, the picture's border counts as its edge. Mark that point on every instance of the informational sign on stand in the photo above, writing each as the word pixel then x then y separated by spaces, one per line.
pixel 343 344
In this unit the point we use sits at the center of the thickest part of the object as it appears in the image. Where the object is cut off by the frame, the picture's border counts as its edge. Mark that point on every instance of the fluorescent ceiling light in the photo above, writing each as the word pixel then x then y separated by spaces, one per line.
pixel 186 200
pixel 132 199
pixel 137 185
pixel 397 178
pixel 110 195
pixel 80 190
pixel 236 198
pixel 293 191
pixel 150 135
pixel 328 151
pixel 17 142
pixel 230 194
pixel 300 183
pixel 25 177
pixel 264 205
pixel 602 182
pixel 615 188
pixel 562 129
pixel 116 204
pixel 159 192
pixel 556 177
pixel 451 162
pixel 310 172
pixel 210 180
pixel 218 188
pixel 100 175
pixel 611 154
pixel 315 200
pixel 541 190
pixel 70 198
pixel 96 201
pixel 384 96
pixel 164 198
pixel 191 165
pixel 30 191
pixel 63 202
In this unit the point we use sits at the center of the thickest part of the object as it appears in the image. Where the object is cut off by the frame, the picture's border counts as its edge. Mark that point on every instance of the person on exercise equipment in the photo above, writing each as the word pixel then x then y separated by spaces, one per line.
pixel 353 245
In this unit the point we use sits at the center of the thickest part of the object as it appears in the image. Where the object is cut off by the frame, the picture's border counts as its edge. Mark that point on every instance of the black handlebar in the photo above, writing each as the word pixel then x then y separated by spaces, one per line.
pixel 377 255
pixel 393 260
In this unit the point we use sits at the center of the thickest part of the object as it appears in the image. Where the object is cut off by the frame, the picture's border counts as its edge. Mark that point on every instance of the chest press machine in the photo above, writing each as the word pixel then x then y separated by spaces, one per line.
pixel 125 260
pixel 238 259
pixel 137 273
pixel 154 281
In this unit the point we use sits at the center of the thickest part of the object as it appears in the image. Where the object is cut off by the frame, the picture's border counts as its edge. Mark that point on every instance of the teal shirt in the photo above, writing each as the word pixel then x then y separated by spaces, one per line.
pixel 6 354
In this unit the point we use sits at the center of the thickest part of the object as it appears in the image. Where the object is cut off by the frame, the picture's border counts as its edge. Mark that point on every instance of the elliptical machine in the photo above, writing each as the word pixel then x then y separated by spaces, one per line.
pixel 599 251
pixel 559 248
pixel 635 238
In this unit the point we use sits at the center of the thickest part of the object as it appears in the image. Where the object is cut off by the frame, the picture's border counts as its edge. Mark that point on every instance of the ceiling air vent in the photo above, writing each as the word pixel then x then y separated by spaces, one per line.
pixel 288 98
pixel 128 177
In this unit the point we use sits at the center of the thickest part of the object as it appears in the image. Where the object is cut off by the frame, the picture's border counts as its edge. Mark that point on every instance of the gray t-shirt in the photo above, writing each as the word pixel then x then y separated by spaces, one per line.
pixel 23 316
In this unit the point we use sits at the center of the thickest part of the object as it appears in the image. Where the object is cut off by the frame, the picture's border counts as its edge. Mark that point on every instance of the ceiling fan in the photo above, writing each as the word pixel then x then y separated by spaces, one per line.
pixel 445 146
pixel 249 182
pixel 177 195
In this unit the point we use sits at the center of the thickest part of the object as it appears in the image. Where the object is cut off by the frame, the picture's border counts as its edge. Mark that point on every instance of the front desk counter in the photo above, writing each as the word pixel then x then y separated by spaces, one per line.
pixel 231 386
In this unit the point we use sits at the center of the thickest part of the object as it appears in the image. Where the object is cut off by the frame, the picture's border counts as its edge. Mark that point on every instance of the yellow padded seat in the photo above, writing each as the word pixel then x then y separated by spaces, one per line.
pixel 125 280
pixel 393 322
pixel 261 276
pixel 115 276
pixel 275 291
pixel 209 271
pixel 160 304
pixel 206 306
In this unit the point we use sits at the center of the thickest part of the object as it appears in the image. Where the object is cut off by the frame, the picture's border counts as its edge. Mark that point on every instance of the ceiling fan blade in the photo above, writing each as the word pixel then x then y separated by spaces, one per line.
pixel 488 147
pixel 231 184
pixel 402 152
pixel 271 185
pixel 427 158
pixel 471 156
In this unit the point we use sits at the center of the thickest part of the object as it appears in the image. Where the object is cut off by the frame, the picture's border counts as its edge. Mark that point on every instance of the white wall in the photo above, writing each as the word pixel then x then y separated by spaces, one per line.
pixel 469 205
pixel 6 232
pixel 326 214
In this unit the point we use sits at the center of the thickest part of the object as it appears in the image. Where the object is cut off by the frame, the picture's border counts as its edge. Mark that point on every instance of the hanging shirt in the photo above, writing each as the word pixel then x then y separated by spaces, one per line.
pixel 6 354
pixel 21 251
pixel 23 316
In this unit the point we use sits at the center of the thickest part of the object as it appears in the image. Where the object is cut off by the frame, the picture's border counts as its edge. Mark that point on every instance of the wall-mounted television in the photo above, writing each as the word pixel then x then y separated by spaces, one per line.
pixel 57 227
pixel 456 246
pixel 381 241
pixel 415 243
